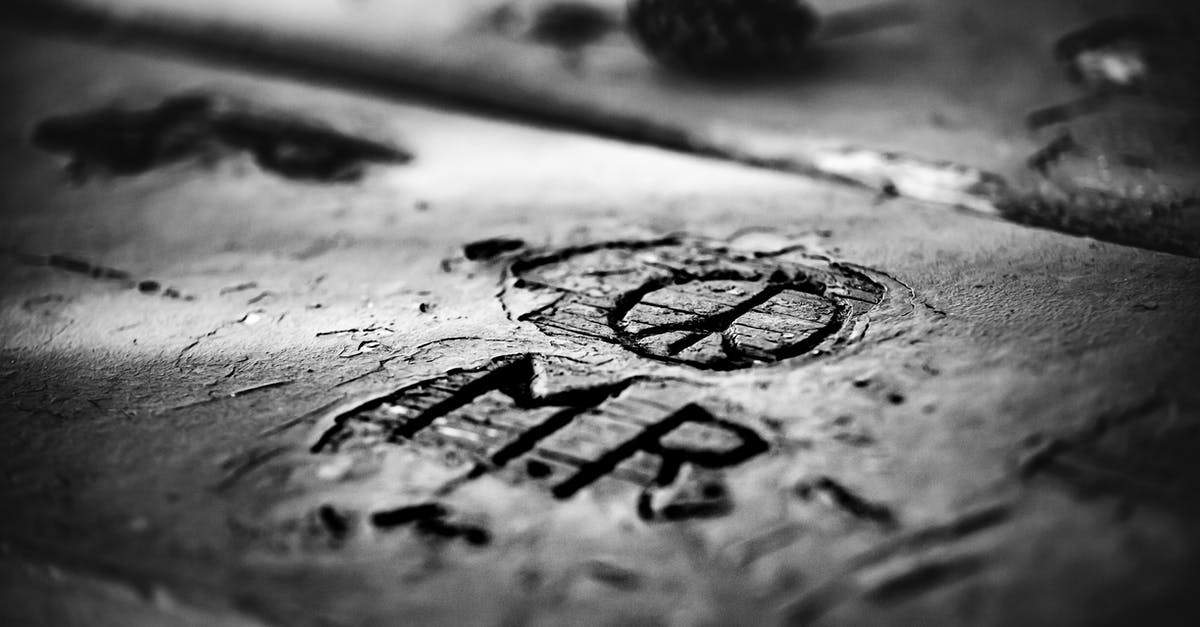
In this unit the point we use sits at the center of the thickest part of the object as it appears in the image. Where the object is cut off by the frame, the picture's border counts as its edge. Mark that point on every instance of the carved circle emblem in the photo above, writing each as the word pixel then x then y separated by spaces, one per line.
pixel 700 304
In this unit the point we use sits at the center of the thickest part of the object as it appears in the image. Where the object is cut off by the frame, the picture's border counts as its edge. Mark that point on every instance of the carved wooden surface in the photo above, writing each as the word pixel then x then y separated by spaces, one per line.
pixel 528 377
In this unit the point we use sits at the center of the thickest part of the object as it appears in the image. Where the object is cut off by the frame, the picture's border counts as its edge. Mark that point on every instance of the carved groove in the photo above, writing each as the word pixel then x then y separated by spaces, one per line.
pixel 568 439
pixel 692 303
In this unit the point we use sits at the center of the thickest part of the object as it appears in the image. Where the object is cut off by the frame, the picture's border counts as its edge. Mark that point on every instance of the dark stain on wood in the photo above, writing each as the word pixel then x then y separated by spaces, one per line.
pixel 571 25
pixel 431 519
pixel 202 127
pixel 99 272
pixel 337 522
pixel 488 249
pixel 405 515
pixel 847 500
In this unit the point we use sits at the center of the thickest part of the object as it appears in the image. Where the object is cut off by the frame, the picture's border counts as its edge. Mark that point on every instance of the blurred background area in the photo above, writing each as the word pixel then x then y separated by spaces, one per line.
pixel 1072 115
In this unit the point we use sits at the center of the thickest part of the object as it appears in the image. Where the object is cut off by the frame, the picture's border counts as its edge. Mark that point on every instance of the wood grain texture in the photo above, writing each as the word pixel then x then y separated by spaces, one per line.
pixel 150 446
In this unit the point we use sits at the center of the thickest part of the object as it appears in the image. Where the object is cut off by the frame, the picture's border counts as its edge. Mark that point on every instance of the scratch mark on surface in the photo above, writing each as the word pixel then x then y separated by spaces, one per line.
pixel 238 288
pixel 871 575
pixel 847 500
pixel 234 394
pixel 922 578
pixel 291 422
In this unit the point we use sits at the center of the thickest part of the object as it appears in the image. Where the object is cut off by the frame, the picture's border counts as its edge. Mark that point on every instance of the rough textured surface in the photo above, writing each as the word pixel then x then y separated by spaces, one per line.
pixel 703 304
pixel 972 454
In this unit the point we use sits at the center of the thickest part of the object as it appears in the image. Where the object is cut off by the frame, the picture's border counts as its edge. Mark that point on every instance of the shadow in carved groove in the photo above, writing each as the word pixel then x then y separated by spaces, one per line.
pixel 556 423
pixel 696 303
pixel 495 419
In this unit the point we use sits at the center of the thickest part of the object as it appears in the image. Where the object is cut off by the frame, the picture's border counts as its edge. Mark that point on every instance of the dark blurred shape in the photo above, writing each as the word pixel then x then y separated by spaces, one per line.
pixel 205 127
pixel 488 249
pixel 1122 158
pixel 571 25
pixel 1143 53
pixel 409 514
pixel 431 519
pixel 722 35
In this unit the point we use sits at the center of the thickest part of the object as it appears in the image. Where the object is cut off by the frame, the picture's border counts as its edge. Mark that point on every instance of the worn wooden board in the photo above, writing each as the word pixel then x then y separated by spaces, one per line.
pixel 971 422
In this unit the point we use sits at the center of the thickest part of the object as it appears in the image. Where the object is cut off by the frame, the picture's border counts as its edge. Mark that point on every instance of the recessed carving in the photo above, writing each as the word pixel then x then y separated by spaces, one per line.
pixel 698 303
pixel 494 420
